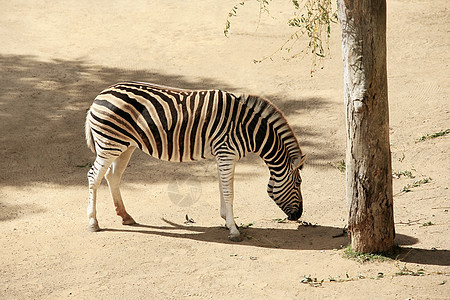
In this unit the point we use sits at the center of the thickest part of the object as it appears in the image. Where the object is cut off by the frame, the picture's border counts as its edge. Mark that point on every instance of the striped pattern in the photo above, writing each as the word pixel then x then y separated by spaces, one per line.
pixel 184 125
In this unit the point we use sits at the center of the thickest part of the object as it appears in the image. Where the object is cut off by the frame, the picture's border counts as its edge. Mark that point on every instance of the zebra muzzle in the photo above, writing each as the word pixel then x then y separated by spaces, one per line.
pixel 294 215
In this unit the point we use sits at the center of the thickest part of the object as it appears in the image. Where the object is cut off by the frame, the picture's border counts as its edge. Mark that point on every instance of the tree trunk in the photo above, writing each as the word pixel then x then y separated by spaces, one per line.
pixel 368 161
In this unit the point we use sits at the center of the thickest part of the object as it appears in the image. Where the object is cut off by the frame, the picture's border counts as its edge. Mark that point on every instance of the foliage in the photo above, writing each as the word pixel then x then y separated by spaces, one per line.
pixel 279 220
pixel 263 7
pixel 399 174
pixel 88 164
pixel 364 257
pixel 306 224
pixel 189 220
pixel 307 279
pixel 429 223
pixel 242 226
pixel 312 19
pixel 407 188
pixel 404 270
pixel 416 183
pixel 340 165
pixel 434 135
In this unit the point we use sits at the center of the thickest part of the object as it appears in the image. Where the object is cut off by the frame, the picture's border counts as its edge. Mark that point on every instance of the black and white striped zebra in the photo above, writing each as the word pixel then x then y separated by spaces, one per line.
pixel 188 125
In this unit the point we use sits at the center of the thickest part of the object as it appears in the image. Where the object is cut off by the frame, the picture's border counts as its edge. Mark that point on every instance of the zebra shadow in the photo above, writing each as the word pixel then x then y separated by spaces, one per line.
pixel 314 237
pixel 309 237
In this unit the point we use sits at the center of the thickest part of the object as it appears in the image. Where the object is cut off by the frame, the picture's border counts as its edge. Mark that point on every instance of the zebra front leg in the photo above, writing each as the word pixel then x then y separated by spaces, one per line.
pixel 225 166
pixel 113 177
pixel 95 176
pixel 223 210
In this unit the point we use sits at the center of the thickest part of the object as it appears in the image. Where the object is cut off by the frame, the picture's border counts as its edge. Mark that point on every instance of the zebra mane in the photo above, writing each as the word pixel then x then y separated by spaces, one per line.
pixel 275 118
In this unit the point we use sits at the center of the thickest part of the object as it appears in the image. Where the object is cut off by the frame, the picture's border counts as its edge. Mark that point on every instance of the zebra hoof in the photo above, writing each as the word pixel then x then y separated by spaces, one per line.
pixel 235 238
pixel 93 228
pixel 129 222
pixel 127 219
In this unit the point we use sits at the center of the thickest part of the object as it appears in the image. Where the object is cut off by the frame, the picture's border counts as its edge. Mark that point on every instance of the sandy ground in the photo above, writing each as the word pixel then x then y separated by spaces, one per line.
pixel 56 56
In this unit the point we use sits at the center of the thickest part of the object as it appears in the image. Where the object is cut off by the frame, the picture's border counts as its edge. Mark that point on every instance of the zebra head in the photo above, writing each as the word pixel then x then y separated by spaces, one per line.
pixel 285 190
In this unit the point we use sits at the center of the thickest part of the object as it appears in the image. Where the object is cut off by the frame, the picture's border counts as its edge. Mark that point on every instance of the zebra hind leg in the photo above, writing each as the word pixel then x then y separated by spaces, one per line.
pixel 95 176
pixel 113 177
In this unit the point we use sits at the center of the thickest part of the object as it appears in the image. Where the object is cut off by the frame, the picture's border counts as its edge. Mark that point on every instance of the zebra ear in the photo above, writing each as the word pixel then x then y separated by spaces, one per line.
pixel 299 163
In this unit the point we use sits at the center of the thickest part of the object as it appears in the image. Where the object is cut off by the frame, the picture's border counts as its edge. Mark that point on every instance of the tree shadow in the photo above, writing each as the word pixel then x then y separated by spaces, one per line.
pixel 42 113
pixel 439 257
pixel 15 211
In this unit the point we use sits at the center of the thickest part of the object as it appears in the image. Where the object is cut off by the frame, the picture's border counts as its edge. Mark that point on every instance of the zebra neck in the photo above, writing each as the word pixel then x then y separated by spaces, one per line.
pixel 269 134
pixel 275 155
pixel 278 166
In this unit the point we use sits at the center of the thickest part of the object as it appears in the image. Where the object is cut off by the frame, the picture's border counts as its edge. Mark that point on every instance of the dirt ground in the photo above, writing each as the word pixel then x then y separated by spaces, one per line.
pixel 56 56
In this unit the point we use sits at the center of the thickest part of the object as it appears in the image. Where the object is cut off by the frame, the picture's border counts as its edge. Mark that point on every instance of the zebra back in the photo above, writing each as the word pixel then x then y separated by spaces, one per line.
pixel 186 125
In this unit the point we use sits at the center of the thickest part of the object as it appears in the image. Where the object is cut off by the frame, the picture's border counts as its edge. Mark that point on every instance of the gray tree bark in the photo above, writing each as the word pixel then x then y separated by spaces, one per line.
pixel 368 161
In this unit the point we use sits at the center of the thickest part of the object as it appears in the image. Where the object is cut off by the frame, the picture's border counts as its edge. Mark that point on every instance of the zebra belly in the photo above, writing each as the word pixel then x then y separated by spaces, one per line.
pixel 185 156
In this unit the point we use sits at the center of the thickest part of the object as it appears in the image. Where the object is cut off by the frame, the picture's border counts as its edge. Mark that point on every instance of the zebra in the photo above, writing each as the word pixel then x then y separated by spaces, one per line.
pixel 182 125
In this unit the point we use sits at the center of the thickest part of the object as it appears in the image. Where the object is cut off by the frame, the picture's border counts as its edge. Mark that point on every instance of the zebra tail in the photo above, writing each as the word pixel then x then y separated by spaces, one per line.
pixel 88 132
